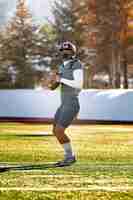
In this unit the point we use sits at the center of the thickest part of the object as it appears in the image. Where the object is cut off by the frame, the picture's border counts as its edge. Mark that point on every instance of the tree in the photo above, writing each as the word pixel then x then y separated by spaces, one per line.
pixel 126 36
pixel 103 23
pixel 85 12
pixel 45 51
pixel 113 18
pixel 17 47
pixel 108 45
pixel 67 24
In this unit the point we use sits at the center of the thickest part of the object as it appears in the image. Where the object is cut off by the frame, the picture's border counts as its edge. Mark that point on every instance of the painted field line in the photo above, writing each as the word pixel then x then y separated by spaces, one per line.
pixel 83 179
pixel 107 180
pixel 28 131
pixel 18 130
pixel 113 129
pixel 72 189
pixel 54 176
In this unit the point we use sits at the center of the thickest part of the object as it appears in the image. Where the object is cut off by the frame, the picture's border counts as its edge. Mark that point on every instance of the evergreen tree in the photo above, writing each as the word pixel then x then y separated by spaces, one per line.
pixel 17 47
pixel 66 22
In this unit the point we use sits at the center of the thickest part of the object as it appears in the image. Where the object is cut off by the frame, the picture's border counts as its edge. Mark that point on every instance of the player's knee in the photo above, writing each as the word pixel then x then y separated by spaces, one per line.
pixel 57 130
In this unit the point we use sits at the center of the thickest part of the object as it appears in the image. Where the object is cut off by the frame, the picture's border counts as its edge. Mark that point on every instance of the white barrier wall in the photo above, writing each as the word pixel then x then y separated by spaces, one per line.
pixel 110 105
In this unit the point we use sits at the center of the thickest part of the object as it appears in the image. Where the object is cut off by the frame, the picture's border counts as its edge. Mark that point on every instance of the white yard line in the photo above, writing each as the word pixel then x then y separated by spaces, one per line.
pixel 72 189
pixel 27 131
pixel 113 129
pixel 82 179
pixel 18 130
pixel 55 176
pixel 102 128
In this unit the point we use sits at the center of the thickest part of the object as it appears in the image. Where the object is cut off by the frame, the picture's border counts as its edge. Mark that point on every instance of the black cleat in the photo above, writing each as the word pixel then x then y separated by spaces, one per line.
pixel 66 162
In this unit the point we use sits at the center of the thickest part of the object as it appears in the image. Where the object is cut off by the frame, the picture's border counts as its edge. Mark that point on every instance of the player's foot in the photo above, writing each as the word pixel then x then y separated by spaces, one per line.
pixel 66 162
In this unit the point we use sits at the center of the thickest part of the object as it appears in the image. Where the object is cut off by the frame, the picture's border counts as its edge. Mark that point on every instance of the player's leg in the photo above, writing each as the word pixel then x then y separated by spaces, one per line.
pixel 63 118
pixel 64 140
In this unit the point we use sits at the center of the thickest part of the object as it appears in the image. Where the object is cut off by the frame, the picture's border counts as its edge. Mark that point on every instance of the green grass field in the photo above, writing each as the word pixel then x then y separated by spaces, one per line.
pixel 104 170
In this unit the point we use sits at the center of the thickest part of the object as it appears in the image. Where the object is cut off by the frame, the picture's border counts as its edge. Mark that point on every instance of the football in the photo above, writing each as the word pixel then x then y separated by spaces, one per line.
pixel 48 80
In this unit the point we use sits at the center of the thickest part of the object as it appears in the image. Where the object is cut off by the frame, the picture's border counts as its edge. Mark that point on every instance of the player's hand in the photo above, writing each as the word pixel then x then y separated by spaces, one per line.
pixel 50 80
pixel 58 78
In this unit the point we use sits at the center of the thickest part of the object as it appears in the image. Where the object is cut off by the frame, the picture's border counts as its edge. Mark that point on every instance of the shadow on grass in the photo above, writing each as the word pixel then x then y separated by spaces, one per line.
pixel 6 167
pixel 78 167
pixel 25 135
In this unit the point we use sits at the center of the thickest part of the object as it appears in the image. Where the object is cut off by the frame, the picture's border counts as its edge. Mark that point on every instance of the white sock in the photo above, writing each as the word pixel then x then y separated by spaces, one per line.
pixel 67 150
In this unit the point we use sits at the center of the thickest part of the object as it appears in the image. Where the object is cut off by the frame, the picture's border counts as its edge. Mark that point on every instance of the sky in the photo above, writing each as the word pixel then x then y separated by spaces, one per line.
pixel 40 9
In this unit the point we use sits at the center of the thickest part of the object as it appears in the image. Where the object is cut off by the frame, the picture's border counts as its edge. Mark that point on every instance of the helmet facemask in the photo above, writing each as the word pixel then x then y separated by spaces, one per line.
pixel 67 54
pixel 68 50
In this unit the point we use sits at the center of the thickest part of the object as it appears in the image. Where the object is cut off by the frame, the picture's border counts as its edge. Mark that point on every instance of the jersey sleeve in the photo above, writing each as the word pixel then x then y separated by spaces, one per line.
pixel 77 82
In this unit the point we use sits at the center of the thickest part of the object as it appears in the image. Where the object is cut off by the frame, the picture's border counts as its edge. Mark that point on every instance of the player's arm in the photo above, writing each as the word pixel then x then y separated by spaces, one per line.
pixel 78 79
